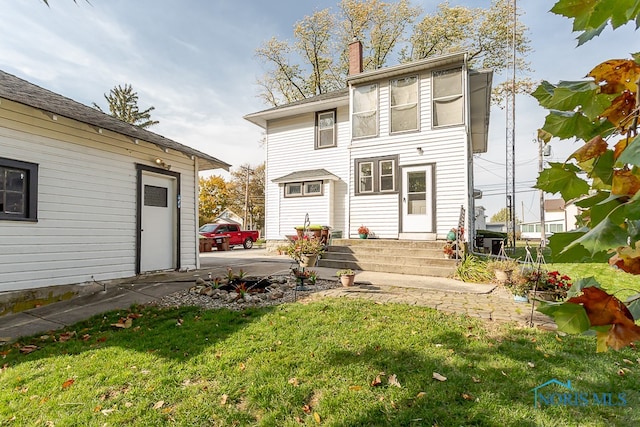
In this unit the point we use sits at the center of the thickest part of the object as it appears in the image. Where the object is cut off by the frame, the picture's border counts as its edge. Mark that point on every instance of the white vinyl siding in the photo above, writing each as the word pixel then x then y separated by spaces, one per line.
pixel 290 147
pixel 86 228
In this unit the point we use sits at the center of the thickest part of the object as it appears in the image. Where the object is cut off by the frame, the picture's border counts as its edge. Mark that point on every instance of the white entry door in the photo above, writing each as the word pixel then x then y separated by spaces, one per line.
pixel 417 199
pixel 158 223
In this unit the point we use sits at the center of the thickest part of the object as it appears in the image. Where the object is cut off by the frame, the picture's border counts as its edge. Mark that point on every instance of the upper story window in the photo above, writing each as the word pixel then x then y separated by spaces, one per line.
pixel 448 106
pixel 365 111
pixel 18 190
pixel 376 175
pixel 326 129
pixel 404 104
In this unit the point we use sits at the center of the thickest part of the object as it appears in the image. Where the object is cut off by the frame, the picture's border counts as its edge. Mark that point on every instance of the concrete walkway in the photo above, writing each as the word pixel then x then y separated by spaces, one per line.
pixel 485 301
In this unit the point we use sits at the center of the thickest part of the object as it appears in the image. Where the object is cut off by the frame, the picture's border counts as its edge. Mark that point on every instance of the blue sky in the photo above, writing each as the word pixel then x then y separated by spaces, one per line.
pixel 194 62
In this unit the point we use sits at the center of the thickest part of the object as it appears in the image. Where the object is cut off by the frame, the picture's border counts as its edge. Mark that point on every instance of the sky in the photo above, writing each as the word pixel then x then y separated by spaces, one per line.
pixel 194 61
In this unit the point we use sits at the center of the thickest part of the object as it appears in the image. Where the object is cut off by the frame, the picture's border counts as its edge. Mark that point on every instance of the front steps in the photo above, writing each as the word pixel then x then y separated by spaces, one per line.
pixel 422 258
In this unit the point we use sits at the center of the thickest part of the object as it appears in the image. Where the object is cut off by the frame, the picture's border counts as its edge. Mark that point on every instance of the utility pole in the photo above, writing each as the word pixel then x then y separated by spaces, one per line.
pixel 248 170
pixel 543 235
pixel 510 146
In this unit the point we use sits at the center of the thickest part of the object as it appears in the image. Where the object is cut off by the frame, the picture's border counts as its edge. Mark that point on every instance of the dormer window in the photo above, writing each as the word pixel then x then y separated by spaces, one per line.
pixel 326 129
pixel 365 111
pixel 404 104
pixel 448 106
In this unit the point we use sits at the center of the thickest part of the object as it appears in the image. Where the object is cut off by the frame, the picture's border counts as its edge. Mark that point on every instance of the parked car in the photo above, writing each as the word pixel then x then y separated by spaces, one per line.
pixel 237 237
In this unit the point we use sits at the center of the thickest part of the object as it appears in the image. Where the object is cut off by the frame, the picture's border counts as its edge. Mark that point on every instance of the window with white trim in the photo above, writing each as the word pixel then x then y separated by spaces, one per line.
pixel 376 175
pixel 404 104
pixel 301 189
pixel 18 190
pixel 365 111
pixel 326 129
pixel 448 105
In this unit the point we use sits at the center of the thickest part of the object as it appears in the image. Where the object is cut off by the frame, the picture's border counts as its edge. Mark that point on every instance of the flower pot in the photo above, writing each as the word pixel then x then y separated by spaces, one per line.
pixel 363 235
pixel 347 279
pixel 543 295
pixel 520 298
pixel 308 260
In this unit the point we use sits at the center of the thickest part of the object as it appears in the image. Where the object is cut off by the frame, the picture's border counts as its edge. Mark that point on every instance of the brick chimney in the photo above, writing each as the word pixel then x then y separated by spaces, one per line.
pixel 355 57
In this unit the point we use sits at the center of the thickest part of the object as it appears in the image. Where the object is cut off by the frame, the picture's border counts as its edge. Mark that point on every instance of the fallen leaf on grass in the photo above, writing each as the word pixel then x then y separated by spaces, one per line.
pixel 421 394
pixel 393 380
pixel 66 336
pixel 242 366
pixel 531 364
pixel 316 417
pixel 306 409
pixel 558 338
pixel 159 404
pixel 355 388
pixel 86 337
pixel 293 382
pixel 4 353
pixel 107 412
pixel 123 323
pixel 26 349
pixel 223 399
pixel 68 383
pixel 378 380
pixel 627 361
pixel 101 339
pixel 467 396
pixel 475 380
pixel 4 367
pixel 437 376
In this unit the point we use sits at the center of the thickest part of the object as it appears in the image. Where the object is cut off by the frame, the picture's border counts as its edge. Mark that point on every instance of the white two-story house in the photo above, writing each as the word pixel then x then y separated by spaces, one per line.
pixel 393 151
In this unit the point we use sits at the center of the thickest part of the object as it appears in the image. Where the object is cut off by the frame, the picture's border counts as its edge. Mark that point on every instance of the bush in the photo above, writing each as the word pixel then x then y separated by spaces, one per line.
pixel 473 269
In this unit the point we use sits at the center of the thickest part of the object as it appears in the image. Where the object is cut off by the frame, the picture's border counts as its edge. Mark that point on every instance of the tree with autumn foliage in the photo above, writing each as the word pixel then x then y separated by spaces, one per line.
pixel 602 177
pixel 213 198
pixel 317 61
pixel 246 190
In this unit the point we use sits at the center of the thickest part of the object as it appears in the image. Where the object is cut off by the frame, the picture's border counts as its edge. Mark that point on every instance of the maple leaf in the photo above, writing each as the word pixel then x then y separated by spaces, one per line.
pixel 604 309
pixel 594 148
pixel 562 178
pixel 627 259
pixel 628 150
pixel 625 182
pixel 620 110
pixel 616 75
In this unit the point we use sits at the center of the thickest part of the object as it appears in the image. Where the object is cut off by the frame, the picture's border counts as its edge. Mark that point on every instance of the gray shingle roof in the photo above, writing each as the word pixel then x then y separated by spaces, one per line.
pixel 307 175
pixel 24 92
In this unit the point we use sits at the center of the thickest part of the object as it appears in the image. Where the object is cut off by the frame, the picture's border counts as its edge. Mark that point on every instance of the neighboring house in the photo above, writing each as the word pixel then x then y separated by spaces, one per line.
pixel 393 151
pixel 85 196
pixel 558 217
pixel 228 216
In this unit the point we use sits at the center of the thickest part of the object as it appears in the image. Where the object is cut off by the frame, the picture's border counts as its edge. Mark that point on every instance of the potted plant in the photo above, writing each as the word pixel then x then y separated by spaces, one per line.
pixel 503 269
pixel 363 232
pixel 305 251
pixel 347 276
pixel 447 250
pixel 548 285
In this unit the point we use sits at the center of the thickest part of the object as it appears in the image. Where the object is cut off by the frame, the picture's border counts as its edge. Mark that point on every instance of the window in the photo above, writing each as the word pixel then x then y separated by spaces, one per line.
pixel 18 190
pixel 448 107
pixel 404 104
pixel 387 175
pixel 365 177
pixel 555 228
pixel 365 111
pixel 376 176
pixel 299 189
pixel 326 129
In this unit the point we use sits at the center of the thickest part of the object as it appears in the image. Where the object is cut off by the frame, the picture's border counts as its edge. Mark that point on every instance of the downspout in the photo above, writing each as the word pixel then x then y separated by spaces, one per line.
pixel 196 210
pixel 470 217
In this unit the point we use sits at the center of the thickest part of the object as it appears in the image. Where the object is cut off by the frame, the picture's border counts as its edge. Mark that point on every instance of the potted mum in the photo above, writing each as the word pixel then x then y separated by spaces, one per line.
pixel 347 276
pixel 363 232
pixel 305 251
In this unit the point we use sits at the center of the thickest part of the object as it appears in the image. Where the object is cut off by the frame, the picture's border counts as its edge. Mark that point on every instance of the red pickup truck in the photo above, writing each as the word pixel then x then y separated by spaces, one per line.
pixel 237 237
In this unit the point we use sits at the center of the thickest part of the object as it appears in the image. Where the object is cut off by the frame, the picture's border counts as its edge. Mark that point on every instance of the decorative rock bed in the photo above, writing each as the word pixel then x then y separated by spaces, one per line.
pixel 244 292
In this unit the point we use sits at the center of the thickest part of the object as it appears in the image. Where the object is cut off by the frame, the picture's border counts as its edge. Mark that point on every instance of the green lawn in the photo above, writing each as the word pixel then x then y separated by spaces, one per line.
pixel 331 362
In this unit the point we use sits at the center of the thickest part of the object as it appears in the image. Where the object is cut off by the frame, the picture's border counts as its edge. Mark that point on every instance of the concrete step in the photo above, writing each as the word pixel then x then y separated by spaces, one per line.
pixel 424 258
